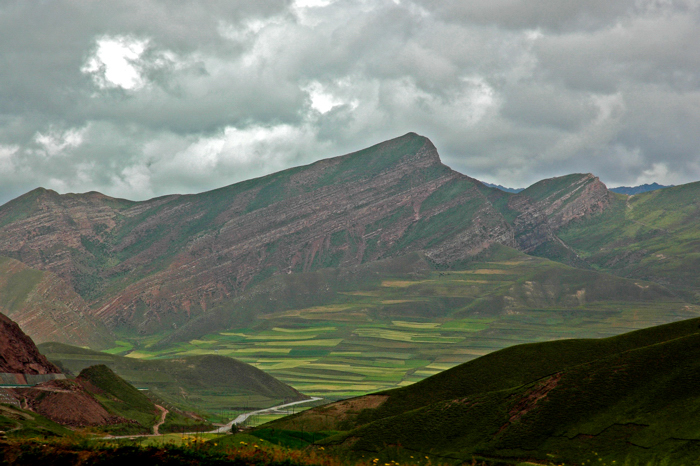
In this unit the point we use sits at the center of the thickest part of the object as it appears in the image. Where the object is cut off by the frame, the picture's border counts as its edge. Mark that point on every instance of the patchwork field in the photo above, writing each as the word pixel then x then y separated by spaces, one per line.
pixel 400 331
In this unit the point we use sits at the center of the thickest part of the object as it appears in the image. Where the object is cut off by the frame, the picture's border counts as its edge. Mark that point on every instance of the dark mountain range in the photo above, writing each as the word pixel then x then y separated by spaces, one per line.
pixel 153 265
pixel 628 399
pixel 629 190
pixel 644 188
pixel 503 188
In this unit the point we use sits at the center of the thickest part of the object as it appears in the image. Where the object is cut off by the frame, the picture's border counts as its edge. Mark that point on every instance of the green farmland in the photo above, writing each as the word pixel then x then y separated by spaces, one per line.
pixel 401 330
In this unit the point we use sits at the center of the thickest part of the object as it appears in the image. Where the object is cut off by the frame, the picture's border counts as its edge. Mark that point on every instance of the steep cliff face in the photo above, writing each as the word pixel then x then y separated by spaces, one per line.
pixel 154 265
pixel 46 308
pixel 19 354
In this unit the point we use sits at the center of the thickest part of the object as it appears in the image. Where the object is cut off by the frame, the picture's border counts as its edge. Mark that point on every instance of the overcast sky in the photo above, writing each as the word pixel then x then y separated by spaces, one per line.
pixel 139 98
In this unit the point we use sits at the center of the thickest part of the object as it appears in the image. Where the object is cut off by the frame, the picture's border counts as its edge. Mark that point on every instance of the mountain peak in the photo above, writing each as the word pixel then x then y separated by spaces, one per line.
pixel 409 149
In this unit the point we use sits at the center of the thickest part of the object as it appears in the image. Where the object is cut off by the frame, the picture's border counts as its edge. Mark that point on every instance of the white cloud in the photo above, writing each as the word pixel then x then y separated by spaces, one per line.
pixel 116 62
pixel 323 100
pixel 311 3
pixel 55 142
pixel 7 165
pixel 198 94
pixel 658 172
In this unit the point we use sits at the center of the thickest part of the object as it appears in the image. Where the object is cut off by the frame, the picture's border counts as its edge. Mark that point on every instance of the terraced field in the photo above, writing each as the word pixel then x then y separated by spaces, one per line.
pixel 400 330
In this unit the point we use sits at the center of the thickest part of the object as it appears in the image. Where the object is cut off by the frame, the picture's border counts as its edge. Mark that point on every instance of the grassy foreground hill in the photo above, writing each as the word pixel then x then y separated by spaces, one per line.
pixel 632 397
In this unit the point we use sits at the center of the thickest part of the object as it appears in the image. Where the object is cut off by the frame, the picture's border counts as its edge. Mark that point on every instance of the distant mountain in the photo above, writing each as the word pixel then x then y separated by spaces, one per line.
pixel 503 188
pixel 152 266
pixel 626 399
pixel 644 188
pixel 158 266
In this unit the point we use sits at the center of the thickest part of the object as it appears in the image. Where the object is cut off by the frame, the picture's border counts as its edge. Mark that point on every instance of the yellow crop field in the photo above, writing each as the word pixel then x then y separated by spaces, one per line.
pixel 486 272
pixel 384 333
pixel 275 365
pixel 304 330
pixel 403 283
pixel 281 337
pixel 256 349
pixel 320 342
pixel 404 324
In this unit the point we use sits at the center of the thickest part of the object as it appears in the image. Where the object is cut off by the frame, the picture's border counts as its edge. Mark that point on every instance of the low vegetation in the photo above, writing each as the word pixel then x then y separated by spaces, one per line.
pixel 629 399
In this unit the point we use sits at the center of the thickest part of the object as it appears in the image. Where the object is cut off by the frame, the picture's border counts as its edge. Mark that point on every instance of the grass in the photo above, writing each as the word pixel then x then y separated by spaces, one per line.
pixel 118 396
pixel 652 236
pixel 16 286
pixel 628 399
pixel 20 423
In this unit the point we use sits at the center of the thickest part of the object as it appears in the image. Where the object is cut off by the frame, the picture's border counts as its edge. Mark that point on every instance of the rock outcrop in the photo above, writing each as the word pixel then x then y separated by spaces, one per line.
pixel 19 354
pixel 551 204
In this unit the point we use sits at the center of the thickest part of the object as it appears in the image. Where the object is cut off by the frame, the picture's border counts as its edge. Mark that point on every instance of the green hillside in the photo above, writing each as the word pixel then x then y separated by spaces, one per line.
pixel 345 332
pixel 629 399
pixel 118 396
pixel 21 423
pixel 196 382
pixel 651 236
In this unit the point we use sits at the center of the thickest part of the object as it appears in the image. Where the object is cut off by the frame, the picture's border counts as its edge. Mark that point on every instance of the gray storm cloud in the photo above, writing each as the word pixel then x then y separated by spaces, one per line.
pixel 142 98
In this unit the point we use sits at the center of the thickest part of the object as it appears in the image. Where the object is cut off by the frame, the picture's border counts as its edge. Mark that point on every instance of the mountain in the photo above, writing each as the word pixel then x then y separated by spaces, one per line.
pixel 47 309
pixel 627 399
pixel 151 266
pixel 96 398
pixel 632 190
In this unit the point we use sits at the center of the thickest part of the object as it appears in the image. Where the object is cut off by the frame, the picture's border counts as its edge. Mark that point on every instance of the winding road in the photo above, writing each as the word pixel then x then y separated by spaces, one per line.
pixel 224 429
pixel 163 413
pixel 273 410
